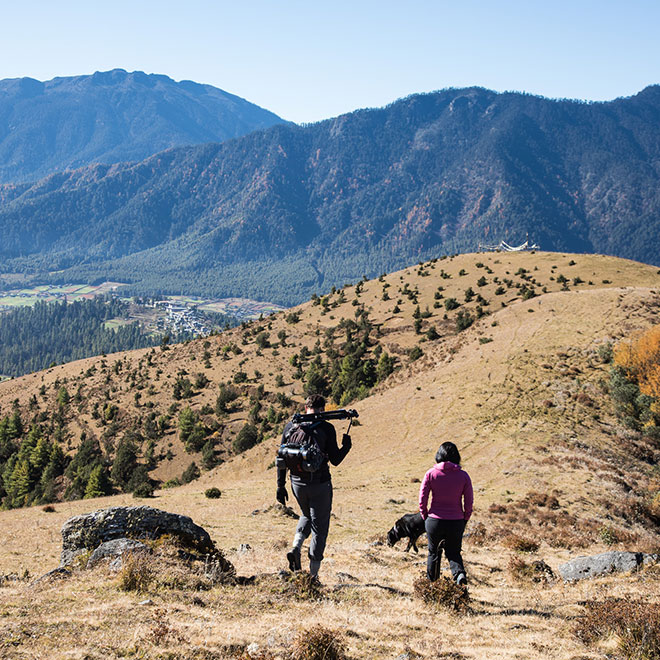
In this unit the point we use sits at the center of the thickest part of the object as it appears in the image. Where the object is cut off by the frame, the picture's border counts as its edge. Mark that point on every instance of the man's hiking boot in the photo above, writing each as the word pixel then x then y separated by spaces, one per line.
pixel 461 580
pixel 293 557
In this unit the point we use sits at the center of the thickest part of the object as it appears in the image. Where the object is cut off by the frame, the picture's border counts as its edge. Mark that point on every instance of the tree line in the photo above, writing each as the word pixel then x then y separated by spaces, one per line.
pixel 33 338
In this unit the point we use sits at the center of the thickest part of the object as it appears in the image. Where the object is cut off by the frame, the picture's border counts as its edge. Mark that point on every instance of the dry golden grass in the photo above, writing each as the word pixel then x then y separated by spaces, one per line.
pixel 367 601
pixel 537 436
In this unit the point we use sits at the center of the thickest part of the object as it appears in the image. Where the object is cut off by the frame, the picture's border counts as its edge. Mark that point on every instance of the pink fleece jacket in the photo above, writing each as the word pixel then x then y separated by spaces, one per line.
pixel 451 491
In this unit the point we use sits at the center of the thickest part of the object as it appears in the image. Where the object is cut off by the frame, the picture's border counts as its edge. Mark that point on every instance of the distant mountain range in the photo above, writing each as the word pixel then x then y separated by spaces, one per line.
pixel 110 117
pixel 280 213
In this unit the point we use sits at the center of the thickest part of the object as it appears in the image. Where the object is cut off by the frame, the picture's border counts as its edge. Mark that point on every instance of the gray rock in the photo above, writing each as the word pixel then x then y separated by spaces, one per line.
pixel 86 532
pixel 116 564
pixel 603 564
pixel 116 549
pixel 56 574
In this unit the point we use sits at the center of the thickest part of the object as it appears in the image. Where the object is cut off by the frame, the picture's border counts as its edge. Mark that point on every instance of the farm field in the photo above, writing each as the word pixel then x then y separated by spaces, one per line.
pixel 54 293
pixel 241 308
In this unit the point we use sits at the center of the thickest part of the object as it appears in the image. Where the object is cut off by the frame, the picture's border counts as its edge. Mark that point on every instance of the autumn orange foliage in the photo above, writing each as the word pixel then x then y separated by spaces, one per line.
pixel 640 358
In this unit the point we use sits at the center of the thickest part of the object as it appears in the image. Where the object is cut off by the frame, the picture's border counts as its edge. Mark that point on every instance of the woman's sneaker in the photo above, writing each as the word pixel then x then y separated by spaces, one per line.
pixel 293 557
pixel 461 580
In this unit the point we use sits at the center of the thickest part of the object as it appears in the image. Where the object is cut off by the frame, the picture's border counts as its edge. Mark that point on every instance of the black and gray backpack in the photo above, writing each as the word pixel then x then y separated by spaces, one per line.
pixel 300 449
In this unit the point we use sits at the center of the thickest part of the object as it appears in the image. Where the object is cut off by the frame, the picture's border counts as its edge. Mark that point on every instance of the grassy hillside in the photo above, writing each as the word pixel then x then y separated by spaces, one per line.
pixel 523 393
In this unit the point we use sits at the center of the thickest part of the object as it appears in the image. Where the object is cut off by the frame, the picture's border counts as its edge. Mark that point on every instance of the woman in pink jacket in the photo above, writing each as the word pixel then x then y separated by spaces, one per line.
pixel 450 489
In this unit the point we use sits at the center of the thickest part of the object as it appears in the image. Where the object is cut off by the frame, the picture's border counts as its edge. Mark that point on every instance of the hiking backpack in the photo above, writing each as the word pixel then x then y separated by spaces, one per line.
pixel 300 449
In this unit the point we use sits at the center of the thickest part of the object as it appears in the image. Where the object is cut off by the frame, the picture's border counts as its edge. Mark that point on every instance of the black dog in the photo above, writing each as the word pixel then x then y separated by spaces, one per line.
pixel 411 526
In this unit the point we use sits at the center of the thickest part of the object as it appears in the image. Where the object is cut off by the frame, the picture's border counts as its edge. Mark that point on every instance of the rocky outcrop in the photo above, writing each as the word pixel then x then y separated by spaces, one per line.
pixel 605 563
pixel 85 533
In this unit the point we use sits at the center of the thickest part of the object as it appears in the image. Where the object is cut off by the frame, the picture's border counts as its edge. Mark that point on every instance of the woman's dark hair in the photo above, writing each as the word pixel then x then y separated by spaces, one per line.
pixel 448 452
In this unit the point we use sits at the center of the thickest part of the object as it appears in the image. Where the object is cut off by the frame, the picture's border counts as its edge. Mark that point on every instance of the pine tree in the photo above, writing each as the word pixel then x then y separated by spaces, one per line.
pixel 63 397
pixel 98 484
pixel 385 367
pixel 15 426
pixel 125 462
pixel 187 420
pixel 40 455
pixel 247 437
pixel 20 484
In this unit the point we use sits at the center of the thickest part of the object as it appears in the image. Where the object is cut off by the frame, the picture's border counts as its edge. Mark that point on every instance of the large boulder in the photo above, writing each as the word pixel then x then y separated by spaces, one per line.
pixel 603 564
pixel 87 532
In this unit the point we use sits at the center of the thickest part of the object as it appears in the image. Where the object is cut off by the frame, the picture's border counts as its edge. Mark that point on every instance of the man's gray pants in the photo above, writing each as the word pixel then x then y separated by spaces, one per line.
pixel 315 501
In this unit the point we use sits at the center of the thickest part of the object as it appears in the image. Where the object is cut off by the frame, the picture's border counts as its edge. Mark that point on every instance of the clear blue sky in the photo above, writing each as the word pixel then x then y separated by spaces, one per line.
pixel 309 60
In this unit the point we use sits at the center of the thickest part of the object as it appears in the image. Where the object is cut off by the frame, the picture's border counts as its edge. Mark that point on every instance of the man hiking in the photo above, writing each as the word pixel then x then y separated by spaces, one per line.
pixel 310 479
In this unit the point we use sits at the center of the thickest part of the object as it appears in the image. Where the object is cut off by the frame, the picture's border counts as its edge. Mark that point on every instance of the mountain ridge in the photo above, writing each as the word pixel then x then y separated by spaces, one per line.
pixel 288 210
pixel 112 116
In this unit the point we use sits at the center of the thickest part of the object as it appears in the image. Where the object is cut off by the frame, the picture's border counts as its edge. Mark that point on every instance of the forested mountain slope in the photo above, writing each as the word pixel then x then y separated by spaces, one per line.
pixel 281 213
pixel 111 116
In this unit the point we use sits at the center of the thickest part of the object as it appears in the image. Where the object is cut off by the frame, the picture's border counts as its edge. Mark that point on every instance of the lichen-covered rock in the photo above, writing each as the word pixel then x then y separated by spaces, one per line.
pixel 603 564
pixel 85 533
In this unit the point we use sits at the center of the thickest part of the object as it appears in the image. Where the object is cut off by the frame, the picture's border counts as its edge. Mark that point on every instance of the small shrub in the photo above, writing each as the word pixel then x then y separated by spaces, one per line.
pixel 143 490
pixel 584 399
pixel 527 292
pixel 463 320
pixel 302 586
pixel 49 508
pixel 478 534
pixel 240 377
pixel 608 535
pixel 636 624
pixel 536 571
pixel 606 353
pixel 541 500
pixel 212 493
pixel 318 643
pixel 247 438
pixel 190 473
pixel 520 543
pixel 136 572
pixel 443 593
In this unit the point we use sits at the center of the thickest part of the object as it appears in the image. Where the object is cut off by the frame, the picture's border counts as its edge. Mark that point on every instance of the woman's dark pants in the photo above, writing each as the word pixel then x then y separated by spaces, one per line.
pixel 451 532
